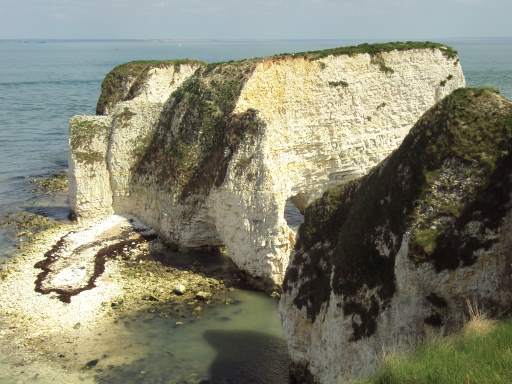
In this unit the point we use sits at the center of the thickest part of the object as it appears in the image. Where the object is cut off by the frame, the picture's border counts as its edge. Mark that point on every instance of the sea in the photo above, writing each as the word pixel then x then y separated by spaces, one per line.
pixel 45 82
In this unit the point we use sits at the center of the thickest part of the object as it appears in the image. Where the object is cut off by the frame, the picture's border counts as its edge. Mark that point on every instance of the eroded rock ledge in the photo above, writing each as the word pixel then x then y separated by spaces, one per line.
pixel 208 155
pixel 392 257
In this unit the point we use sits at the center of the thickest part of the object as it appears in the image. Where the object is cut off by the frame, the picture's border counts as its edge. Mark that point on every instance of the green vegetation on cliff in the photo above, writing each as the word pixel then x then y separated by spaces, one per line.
pixel 470 357
pixel 199 133
pixel 465 142
pixel 82 133
pixel 123 81
pixel 375 49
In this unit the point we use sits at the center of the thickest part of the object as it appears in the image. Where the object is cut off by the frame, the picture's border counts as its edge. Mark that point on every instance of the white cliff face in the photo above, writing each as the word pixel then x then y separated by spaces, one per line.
pixel 393 258
pixel 104 149
pixel 318 133
pixel 324 121
pixel 160 82
pixel 89 185
pixel 133 123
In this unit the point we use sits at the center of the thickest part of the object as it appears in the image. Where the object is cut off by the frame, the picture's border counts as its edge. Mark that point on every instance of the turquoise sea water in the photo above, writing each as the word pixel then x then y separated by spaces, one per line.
pixel 44 83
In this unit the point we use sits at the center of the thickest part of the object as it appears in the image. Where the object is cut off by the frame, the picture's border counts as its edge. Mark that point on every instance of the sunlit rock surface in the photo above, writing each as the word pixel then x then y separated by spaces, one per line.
pixel 217 163
pixel 385 260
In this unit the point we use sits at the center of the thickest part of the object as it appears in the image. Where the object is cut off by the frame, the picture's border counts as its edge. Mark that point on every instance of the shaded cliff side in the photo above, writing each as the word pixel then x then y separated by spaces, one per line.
pixel 395 255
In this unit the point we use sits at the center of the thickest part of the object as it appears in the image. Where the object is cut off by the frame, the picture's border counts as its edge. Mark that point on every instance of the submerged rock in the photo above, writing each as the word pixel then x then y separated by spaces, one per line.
pixel 203 296
pixel 394 256
pixel 234 141
pixel 57 182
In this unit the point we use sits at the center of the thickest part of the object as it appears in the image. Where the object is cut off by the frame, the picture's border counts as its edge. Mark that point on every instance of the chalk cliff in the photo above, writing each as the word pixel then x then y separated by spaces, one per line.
pixel 131 100
pixel 387 259
pixel 216 164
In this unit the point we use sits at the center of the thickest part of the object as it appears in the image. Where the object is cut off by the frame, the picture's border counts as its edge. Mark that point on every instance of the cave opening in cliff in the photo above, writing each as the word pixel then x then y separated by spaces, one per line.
pixel 292 214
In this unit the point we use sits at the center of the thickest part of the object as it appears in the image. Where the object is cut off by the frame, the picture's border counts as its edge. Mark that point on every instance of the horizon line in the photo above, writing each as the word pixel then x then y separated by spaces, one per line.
pixel 39 39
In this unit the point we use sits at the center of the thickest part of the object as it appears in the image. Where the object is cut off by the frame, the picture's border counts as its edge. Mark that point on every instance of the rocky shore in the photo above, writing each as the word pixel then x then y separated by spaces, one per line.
pixel 72 283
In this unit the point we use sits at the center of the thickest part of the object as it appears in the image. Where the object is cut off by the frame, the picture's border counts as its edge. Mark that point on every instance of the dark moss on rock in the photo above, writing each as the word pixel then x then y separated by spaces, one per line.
pixel 199 133
pixel 124 81
pixel 434 320
pixel 57 182
pixel 27 224
pixel 82 133
pixel 91 157
pixel 86 136
pixel 340 83
pixel 437 301
pixel 447 188
pixel 300 374
pixel 374 50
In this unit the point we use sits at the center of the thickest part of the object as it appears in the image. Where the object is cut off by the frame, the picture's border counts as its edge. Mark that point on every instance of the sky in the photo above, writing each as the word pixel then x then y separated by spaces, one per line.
pixel 254 19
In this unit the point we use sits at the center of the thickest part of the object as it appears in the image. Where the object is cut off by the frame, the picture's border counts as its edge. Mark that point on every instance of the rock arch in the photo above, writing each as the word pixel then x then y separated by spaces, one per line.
pixel 218 161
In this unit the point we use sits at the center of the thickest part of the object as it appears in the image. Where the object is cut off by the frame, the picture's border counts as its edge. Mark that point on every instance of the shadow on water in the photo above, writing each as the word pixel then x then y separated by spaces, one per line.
pixel 229 344
pixel 247 357
pixel 241 357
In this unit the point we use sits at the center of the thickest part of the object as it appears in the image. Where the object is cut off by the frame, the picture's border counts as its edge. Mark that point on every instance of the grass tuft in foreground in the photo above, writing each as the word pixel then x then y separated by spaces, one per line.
pixel 480 354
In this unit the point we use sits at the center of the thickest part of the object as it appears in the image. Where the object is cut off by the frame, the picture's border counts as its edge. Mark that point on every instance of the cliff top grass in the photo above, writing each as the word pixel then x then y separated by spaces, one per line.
pixel 470 357
pixel 135 67
pixel 374 49
pixel 121 82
